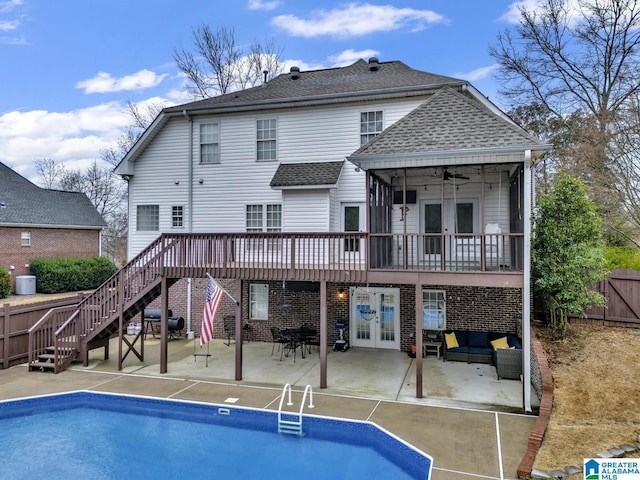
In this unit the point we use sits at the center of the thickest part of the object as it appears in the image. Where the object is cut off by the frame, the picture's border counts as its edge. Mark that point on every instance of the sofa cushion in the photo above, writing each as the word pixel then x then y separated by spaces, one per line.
pixel 500 343
pixel 480 351
pixel 514 341
pixel 479 339
pixel 451 340
pixel 461 336
pixel 458 350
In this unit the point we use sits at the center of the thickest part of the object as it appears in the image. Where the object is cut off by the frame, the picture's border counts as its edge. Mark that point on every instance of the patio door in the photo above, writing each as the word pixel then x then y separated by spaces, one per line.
pixel 353 220
pixel 431 224
pixel 375 317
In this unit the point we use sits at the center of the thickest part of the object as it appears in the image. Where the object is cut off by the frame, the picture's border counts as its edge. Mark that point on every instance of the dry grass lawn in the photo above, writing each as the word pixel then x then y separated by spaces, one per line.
pixel 596 402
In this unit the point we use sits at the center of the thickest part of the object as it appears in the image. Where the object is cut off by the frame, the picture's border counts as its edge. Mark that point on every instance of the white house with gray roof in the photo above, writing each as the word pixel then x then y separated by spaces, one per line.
pixel 387 200
pixel 37 222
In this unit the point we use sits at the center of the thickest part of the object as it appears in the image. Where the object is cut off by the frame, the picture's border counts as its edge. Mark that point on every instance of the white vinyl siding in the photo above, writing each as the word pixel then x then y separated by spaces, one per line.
pixel 218 204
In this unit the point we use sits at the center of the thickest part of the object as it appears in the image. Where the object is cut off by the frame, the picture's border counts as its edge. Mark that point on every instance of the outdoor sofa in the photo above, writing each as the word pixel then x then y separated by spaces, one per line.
pixel 503 350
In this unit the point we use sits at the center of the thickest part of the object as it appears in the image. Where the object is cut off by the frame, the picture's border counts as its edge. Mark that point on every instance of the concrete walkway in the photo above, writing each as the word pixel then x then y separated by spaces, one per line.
pixel 465 442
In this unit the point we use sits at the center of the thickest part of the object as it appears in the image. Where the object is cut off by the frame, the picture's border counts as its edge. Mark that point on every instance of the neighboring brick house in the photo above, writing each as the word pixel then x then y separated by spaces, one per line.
pixel 37 222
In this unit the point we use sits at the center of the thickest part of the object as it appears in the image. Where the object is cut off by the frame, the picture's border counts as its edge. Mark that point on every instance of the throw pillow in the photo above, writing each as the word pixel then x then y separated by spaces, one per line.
pixel 500 343
pixel 451 340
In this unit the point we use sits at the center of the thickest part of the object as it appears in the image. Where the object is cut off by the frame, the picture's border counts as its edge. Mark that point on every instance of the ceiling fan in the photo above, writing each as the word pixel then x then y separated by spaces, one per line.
pixel 447 176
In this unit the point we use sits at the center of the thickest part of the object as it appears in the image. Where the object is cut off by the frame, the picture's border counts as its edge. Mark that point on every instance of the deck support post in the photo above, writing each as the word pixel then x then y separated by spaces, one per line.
pixel 323 334
pixel 164 325
pixel 239 330
pixel 419 340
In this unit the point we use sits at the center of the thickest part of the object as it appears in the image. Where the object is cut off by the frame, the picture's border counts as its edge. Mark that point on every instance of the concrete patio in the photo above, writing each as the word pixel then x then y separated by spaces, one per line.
pixel 465 421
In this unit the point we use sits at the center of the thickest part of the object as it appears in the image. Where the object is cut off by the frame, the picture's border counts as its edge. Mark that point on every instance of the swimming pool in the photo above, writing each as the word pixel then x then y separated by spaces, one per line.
pixel 105 436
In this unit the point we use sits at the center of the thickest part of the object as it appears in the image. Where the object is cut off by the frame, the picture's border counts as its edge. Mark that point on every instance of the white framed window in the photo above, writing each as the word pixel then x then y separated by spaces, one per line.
pixel 370 125
pixel 258 301
pixel 209 143
pixel 25 239
pixel 177 216
pixel 266 133
pixel 434 310
pixel 264 218
pixel 148 218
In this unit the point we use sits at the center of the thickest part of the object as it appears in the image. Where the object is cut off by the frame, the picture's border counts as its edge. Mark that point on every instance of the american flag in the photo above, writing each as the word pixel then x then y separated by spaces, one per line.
pixel 211 304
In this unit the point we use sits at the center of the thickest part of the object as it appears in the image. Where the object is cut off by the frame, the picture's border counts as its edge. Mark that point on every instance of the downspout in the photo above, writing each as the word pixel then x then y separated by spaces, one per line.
pixel 190 333
pixel 526 287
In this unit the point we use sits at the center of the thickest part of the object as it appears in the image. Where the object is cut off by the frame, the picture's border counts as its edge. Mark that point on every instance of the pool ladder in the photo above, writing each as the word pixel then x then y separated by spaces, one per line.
pixel 293 426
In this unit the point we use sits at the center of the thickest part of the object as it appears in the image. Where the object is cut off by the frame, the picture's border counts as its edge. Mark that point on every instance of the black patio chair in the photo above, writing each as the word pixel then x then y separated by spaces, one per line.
pixel 280 339
pixel 229 328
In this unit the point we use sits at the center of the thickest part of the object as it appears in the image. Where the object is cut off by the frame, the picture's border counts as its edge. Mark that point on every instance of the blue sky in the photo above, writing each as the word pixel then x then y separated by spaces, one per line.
pixel 68 67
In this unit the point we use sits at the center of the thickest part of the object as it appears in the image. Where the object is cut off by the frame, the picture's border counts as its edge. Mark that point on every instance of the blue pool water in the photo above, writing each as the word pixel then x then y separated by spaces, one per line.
pixel 100 436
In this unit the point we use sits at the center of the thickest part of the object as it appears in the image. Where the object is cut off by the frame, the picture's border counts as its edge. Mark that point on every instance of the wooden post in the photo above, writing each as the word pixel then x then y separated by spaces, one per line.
pixel 164 325
pixel 239 330
pixel 418 340
pixel 323 334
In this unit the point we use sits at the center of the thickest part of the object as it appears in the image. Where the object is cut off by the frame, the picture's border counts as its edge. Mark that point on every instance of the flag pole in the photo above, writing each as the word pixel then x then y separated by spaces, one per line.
pixel 224 290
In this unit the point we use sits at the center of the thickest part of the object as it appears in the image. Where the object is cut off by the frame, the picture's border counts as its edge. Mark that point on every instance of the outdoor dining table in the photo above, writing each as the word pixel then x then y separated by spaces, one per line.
pixel 298 337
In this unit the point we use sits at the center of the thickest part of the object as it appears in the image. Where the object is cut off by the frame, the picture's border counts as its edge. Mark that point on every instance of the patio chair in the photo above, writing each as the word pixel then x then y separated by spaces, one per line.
pixel 229 328
pixel 280 339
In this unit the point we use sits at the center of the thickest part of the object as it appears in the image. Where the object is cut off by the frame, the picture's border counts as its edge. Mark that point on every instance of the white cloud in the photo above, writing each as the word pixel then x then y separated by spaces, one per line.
pixel 70 138
pixel 356 19
pixel 8 25
pixel 347 57
pixel 262 5
pixel 512 15
pixel 9 5
pixel 105 83
pixel 477 74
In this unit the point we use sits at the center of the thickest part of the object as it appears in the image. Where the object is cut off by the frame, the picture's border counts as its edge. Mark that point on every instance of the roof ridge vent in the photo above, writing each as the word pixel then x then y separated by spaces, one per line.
pixel 374 64
pixel 294 72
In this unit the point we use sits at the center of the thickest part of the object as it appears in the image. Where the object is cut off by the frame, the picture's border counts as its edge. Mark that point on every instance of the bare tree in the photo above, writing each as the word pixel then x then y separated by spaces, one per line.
pixel 218 65
pixel 49 172
pixel 578 60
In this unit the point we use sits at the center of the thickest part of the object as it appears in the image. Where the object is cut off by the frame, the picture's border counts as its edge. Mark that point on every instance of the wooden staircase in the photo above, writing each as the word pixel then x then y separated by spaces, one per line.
pixel 66 334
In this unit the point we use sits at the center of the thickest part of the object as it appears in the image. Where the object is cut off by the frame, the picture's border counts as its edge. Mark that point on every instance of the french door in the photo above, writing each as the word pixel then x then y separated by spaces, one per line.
pixel 375 317
pixel 353 220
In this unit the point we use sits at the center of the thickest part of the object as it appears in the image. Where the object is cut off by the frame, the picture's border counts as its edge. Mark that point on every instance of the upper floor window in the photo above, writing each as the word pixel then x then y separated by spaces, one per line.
pixel 266 136
pixel 25 239
pixel 370 125
pixel 209 143
pixel 148 217
pixel 177 216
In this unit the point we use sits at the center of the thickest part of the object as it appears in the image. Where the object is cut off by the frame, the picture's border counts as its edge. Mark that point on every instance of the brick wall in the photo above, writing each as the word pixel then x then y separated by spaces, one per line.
pixel 474 308
pixel 45 243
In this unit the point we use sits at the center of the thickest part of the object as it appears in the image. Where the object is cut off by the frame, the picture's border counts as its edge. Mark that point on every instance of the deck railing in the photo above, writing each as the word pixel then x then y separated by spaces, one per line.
pixel 447 252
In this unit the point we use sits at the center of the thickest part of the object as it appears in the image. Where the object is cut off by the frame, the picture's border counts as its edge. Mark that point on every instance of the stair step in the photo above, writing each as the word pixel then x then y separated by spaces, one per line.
pixel 42 365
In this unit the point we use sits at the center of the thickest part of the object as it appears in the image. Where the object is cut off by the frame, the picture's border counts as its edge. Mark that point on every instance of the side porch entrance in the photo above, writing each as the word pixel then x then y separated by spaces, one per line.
pixel 375 317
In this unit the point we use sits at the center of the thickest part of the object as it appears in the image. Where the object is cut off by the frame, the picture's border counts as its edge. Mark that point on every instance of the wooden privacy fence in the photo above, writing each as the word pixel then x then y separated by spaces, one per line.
pixel 15 322
pixel 621 289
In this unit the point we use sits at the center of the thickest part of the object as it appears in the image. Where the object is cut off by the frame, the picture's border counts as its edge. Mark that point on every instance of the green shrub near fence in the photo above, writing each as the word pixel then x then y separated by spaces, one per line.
pixel 70 274
pixel 5 283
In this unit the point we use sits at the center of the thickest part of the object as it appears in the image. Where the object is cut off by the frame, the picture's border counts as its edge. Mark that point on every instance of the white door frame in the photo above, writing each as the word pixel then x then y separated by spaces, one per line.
pixel 377 325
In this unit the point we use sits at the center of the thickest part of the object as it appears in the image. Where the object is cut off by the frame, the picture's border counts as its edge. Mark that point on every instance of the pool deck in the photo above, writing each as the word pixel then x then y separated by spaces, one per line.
pixel 470 432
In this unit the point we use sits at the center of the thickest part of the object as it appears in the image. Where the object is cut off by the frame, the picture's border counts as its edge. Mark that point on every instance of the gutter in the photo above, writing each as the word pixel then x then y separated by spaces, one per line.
pixel 190 215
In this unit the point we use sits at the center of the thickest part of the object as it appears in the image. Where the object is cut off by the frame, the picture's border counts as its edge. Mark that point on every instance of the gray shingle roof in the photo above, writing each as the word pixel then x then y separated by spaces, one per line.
pixel 23 203
pixel 353 79
pixel 449 120
pixel 307 174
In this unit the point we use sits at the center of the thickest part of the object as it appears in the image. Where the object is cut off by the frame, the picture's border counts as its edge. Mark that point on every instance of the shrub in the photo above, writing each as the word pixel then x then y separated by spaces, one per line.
pixel 5 283
pixel 71 274
pixel 622 257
